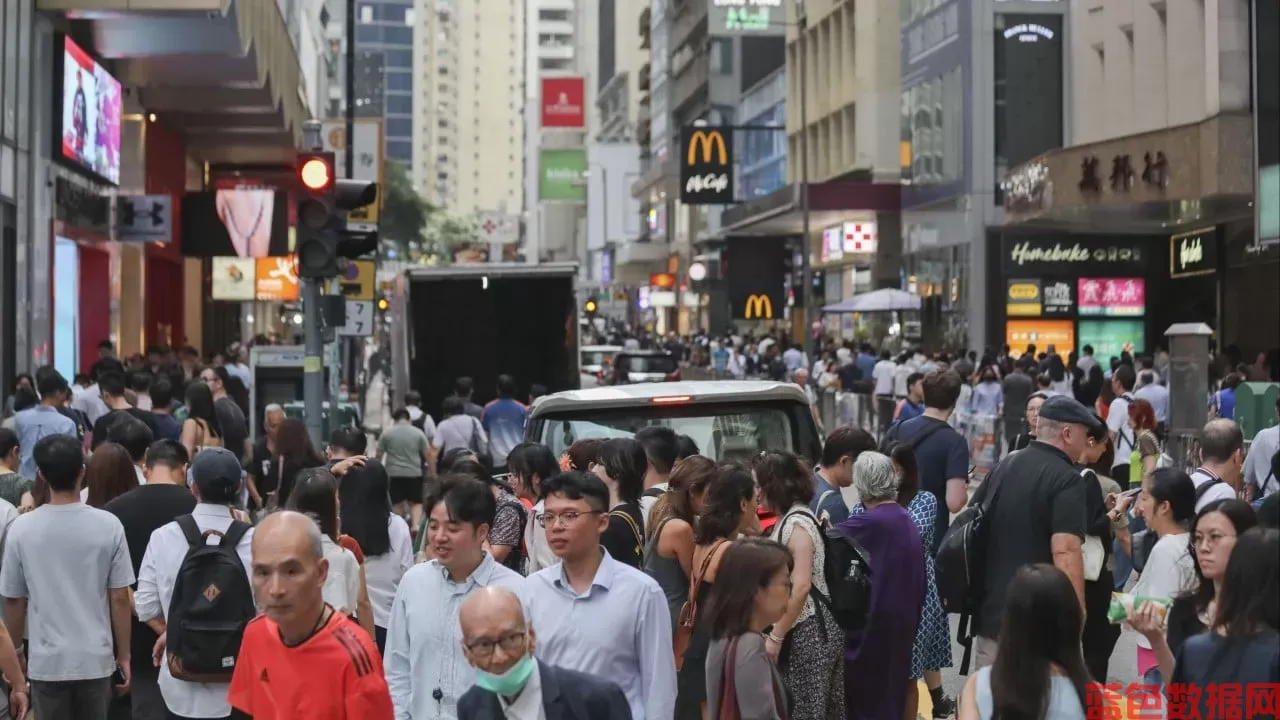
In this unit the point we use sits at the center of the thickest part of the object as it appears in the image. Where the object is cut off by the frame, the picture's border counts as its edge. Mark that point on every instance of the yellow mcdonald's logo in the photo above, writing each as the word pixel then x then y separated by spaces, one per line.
pixel 758 306
pixel 709 141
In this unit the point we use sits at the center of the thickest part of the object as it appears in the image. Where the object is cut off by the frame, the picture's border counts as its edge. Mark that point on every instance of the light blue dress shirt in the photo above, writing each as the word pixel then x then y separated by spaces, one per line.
pixel 424 639
pixel 34 424
pixel 618 630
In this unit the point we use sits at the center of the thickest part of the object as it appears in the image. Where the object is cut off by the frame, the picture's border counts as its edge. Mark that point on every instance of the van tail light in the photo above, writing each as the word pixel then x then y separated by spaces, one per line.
pixel 673 375
pixel 671 399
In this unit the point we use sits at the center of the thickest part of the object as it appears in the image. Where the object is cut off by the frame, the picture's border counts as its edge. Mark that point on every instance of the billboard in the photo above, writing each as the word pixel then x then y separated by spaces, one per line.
pixel 564 102
pixel 706 165
pixel 277 279
pixel 746 17
pixel 1028 64
pixel 756 272
pixel 935 104
pixel 240 222
pixel 92 107
pixel 233 278
pixel 562 175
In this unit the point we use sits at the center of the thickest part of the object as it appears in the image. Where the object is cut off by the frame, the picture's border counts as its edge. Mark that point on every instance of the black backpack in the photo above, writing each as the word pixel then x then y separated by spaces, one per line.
pixel 848 574
pixel 212 602
pixel 960 564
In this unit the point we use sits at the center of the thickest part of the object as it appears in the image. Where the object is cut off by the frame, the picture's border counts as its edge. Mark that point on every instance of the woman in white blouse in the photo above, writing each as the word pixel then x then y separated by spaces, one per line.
pixel 315 493
pixel 366 515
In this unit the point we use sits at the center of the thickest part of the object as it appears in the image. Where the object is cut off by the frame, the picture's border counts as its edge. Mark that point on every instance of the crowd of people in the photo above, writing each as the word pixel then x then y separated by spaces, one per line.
pixel 158 562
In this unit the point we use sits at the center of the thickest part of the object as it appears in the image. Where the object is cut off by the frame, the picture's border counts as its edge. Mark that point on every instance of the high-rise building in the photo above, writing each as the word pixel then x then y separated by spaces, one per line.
pixel 469 58
pixel 386 28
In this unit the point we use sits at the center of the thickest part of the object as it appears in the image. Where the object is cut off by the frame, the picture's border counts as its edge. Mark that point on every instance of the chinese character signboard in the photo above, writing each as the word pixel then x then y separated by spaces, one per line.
pixel 1193 253
pixel 1023 298
pixel 706 165
pixel 563 101
pixel 1058 297
pixel 563 175
pixel 746 17
pixel 755 268
pixel 1112 297
pixel 1061 334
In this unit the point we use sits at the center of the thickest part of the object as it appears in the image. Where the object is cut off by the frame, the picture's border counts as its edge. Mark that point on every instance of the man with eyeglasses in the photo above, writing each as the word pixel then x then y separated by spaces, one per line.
pixel 426 668
pixel 499 643
pixel 595 614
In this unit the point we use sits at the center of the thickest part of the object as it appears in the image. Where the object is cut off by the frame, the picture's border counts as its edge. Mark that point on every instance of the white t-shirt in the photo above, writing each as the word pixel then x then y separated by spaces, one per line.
pixel 1257 464
pixel 883 374
pixel 342 586
pixel 382 573
pixel 1169 572
pixel 648 501
pixel 1220 491
pixel 1118 423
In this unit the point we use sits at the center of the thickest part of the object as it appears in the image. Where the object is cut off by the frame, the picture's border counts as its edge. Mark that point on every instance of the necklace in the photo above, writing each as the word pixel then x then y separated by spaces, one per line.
pixel 257 221
pixel 325 614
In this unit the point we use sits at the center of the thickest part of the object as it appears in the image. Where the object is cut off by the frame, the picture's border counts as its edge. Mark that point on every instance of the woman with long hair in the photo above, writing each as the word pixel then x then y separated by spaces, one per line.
pixel 530 468
pixel 294 453
pixel 20 381
pixel 729 511
pixel 621 466
pixel 315 493
pixel 1039 669
pixel 751 597
pixel 883 661
pixel 1168 502
pixel 1214 533
pixel 668 554
pixel 200 429
pixel 806 642
pixel 366 515
pixel 1242 645
pixel 108 475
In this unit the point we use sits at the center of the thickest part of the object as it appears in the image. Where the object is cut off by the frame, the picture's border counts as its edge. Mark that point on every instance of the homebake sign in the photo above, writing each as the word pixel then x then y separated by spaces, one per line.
pixel 1072 255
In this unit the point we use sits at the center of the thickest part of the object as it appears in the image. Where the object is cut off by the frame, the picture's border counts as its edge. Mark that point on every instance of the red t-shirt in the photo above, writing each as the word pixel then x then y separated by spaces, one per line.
pixel 334 675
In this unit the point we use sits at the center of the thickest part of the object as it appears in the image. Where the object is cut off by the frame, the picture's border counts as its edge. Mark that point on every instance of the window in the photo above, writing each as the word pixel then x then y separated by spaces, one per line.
pixel 401 151
pixel 401 81
pixel 369 34
pixel 397 35
pixel 399 127
pixel 399 58
pixel 399 105
pixel 722 56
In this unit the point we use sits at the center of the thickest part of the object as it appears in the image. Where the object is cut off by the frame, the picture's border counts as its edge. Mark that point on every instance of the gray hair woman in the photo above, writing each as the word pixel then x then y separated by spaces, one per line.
pixel 875 479
pixel 878 660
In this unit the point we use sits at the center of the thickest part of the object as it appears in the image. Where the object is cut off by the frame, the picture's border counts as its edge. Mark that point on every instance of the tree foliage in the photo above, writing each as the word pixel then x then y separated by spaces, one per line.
pixel 405 213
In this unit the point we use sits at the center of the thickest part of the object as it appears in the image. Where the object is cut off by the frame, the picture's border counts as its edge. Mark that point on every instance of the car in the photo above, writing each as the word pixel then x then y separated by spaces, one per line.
pixel 729 420
pixel 641 366
pixel 595 358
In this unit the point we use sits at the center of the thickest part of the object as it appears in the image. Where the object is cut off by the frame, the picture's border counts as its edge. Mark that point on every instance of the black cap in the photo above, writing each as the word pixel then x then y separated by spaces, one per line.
pixel 216 468
pixel 1061 408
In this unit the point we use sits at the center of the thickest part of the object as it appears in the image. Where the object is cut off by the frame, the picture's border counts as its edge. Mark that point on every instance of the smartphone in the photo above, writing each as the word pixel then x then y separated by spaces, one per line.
pixel 1131 493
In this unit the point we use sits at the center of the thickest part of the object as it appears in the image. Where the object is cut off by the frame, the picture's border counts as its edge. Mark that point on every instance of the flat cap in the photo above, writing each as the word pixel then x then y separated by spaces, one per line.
pixel 1062 408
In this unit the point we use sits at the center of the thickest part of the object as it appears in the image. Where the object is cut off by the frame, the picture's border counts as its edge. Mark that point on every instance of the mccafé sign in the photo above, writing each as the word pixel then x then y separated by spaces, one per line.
pixel 758 307
pixel 706 168
pixel 1193 253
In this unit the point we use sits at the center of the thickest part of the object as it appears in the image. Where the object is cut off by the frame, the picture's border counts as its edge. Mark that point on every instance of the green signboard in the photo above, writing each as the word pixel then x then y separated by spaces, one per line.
pixel 563 176
pixel 1108 337
pixel 743 17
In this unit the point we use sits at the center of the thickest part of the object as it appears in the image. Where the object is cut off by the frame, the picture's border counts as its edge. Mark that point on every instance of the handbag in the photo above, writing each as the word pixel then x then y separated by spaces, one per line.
pixel 729 684
pixel 1094 557
pixel 689 611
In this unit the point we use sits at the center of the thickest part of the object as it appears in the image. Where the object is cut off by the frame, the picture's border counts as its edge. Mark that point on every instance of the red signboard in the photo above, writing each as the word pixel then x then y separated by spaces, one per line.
pixel 662 281
pixel 564 102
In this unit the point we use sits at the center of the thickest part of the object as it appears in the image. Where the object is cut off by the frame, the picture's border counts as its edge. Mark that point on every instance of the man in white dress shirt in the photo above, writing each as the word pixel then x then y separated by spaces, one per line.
pixel 425 666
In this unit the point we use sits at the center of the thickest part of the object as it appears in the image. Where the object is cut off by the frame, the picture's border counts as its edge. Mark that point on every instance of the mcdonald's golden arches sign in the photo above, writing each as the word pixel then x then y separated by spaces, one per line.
pixel 706 165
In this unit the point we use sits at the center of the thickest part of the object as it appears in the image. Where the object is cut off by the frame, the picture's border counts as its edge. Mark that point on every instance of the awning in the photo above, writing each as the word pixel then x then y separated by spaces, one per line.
pixel 830 203
pixel 1153 182
pixel 223 72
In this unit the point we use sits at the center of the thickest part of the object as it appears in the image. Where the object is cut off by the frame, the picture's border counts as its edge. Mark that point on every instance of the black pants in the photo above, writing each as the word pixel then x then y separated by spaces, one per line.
pixel 71 699
pixel 380 639
pixel 1120 474
pixel 1100 636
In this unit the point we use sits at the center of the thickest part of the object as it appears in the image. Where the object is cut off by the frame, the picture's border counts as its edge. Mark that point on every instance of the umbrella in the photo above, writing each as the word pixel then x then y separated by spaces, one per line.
pixel 886 300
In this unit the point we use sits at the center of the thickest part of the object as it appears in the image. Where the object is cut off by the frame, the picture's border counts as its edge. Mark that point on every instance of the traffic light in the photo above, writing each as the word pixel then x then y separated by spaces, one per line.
pixel 383 303
pixel 590 307
pixel 323 204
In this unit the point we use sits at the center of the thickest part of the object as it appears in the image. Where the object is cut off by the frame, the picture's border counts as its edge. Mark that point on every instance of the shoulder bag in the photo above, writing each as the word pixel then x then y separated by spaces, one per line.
pixel 689 611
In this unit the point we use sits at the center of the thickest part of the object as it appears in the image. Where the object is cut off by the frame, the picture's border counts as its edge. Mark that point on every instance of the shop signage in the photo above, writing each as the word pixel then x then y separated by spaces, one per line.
pixel 234 278
pixel 1058 297
pixel 276 278
pixel 1109 337
pixel 563 176
pixel 1023 298
pixel 758 307
pixel 756 273
pixel 662 281
pixel 1155 172
pixel 563 99
pixel 1061 334
pixel 81 207
pixel 1112 297
pixel 706 171
pixel 1193 253
pixel 746 17
pixel 1076 255
pixel 832 244
pixel 144 218
pixel 860 237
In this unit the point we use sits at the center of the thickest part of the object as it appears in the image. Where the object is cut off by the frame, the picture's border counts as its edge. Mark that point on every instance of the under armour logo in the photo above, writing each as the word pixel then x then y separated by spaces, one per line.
pixel 211 593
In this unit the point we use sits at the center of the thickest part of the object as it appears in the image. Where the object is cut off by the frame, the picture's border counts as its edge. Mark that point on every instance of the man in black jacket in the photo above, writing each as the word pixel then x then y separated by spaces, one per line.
pixel 499 644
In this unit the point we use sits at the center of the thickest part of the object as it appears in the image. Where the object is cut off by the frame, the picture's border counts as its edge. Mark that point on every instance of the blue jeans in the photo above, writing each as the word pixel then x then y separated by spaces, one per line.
pixel 1124 563
pixel 1152 677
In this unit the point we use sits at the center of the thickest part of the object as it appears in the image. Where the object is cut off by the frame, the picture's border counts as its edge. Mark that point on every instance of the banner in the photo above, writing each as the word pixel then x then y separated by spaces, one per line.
pixel 277 279
pixel 563 101
pixel 562 175
pixel 706 165
pixel 755 268
pixel 234 278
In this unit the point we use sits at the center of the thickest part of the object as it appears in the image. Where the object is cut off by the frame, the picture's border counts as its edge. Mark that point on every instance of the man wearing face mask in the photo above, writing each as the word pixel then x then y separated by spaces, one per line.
pixel 427 669
pixel 510 683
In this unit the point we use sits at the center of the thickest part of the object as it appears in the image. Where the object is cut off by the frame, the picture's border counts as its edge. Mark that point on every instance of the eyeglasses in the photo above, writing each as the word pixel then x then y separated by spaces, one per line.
pixel 1211 540
pixel 512 642
pixel 569 518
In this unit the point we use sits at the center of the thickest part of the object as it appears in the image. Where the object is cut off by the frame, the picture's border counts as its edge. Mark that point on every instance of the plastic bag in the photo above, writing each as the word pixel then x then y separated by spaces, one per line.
pixel 1124 605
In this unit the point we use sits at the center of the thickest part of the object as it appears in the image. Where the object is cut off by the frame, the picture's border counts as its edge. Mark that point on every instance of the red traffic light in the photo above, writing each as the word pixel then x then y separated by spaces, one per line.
pixel 316 174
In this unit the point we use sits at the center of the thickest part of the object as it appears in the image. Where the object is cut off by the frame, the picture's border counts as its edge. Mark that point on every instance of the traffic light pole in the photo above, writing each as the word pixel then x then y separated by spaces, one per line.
pixel 313 344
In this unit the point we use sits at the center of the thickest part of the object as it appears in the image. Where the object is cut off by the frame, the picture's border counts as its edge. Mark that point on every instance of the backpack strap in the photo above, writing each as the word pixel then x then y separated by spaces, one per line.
pixel 635 529
pixel 190 530
pixel 234 534
pixel 1205 486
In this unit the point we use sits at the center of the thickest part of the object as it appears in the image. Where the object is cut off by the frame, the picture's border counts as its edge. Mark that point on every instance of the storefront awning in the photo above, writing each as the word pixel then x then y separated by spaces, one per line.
pixel 1198 174
pixel 830 203
pixel 224 72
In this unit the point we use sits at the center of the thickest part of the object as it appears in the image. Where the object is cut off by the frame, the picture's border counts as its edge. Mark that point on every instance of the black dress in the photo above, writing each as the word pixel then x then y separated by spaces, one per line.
pixel 1100 636
pixel 691 681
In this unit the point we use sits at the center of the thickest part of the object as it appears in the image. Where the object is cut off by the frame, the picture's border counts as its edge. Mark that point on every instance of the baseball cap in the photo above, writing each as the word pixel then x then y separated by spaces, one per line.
pixel 216 468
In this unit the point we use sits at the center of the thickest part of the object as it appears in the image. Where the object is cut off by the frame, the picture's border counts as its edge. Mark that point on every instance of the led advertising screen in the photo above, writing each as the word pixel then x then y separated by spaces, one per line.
pixel 91 110
pixel 66 306
pixel 1108 337
pixel 247 223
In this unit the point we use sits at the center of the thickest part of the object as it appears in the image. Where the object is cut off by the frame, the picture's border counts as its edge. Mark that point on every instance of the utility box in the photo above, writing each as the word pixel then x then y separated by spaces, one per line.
pixel 1256 407
pixel 1188 384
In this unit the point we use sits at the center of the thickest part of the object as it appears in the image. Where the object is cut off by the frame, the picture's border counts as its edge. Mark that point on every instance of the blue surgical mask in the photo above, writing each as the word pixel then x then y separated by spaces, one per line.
pixel 509 683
